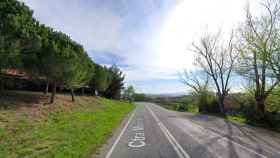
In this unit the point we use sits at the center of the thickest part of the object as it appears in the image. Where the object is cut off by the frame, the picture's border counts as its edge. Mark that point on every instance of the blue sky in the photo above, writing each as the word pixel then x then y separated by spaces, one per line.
pixel 148 39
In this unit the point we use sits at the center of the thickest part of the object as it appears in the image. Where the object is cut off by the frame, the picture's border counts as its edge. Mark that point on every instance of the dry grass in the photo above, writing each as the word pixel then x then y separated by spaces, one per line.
pixel 16 106
pixel 31 128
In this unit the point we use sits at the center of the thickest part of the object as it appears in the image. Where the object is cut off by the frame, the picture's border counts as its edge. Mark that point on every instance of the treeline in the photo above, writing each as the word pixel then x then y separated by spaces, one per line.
pixel 251 54
pixel 50 56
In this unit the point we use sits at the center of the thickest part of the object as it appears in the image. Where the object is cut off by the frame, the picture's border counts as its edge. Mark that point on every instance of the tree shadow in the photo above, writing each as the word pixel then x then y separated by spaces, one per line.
pixel 258 140
pixel 16 99
pixel 203 147
pixel 252 137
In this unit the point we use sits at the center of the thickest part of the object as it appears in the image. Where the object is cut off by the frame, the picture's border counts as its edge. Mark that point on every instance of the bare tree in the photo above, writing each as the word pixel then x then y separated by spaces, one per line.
pixel 217 61
pixel 199 83
pixel 260 51
pixel 196 81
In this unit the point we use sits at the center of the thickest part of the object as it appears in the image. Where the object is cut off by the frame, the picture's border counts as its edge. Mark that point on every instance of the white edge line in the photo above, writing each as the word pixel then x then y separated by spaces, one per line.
pixel 177 147
pixel 108 155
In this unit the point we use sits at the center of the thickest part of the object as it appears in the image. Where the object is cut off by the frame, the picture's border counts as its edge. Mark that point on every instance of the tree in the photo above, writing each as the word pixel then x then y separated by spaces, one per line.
pixel 128 93
pixel 217 61
pixel 80 67
pixel 61 59
pixel 259 46
pixel 32 58
pixel 139 97
pixel 16 30
pixel 117 84
pixel 101 80
pixel 199 83
pixel 196 81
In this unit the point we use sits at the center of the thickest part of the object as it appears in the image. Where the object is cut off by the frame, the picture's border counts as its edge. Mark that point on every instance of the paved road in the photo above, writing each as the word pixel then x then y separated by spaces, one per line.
pixel 153 132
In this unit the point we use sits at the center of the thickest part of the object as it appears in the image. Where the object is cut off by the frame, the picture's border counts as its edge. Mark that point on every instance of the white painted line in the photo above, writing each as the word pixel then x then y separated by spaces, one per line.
pixel 229 140
pixel 119 137
pixel 176 146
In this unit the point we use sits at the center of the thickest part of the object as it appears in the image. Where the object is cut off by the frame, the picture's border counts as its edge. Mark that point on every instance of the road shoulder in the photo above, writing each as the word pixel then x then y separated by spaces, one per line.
pixel 259 139
pixel 102 151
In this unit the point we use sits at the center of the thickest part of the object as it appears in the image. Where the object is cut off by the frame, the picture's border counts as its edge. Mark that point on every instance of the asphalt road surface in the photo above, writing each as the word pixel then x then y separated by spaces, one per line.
pixel 154 132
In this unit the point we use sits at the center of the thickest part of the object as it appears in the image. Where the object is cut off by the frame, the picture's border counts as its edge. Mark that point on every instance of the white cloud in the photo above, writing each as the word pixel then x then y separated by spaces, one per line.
pixel 97 28
pixel 151 36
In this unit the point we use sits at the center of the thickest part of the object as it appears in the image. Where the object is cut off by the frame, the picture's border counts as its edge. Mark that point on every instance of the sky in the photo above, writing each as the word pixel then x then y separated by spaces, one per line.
pixel 148 39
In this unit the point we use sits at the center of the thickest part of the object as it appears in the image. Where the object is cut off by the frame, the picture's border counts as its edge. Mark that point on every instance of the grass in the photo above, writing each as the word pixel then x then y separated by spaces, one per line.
pixel 193 109
pixel 272 122
pixel 62 130
pixel 236 118
pixel 176 107
pixel 170 106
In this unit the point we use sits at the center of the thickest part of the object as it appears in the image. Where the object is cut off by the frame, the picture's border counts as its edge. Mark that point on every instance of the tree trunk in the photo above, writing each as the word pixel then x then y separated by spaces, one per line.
pixel 200 109
pixel 260 106
pixel 83 91
pixel 53 93
pixel 1 85
pixel 221 105
pixel 72 95
pixel 47 88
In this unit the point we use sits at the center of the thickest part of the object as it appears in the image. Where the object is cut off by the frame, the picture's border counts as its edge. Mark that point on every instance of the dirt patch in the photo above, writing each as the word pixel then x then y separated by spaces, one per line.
pixel 18 106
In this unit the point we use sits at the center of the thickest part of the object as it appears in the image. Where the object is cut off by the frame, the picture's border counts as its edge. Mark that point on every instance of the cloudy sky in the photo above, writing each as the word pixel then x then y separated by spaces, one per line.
pixel 148 39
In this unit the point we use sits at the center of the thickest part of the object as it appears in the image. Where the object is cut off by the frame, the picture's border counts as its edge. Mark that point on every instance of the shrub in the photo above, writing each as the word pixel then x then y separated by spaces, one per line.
pixel 206 101
pixel 182 107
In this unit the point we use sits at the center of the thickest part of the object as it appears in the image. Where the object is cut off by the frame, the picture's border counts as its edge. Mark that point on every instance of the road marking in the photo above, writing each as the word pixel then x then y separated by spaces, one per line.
pixel 176 146
pixel 119 137
pixel 139 139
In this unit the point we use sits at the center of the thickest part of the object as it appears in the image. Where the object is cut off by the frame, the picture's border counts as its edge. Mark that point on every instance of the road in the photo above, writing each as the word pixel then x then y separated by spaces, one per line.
pixel 154 132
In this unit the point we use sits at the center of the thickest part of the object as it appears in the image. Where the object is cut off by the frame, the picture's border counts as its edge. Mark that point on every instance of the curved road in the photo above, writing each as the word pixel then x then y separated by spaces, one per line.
pixel 154 132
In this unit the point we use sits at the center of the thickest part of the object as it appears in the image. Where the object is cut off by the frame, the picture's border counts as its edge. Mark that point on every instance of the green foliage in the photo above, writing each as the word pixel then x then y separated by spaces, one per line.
pixel 273 101
pixel 102 79
pixel 47 54
pixel 237 118
pixel 206 101
pixel 117 84
pixel 193 108
pixel 139 97
pixel 16 27
pixel 129 93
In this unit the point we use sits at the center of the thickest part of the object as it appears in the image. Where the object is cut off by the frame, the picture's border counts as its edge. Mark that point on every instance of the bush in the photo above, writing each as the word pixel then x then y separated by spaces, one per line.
pixel 206 101
pixel 193 108
pixel 272 120
pixel 273 101
pixel 182 107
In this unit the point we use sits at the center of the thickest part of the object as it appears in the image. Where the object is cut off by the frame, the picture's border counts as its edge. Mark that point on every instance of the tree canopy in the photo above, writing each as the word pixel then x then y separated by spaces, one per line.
pixel 44 53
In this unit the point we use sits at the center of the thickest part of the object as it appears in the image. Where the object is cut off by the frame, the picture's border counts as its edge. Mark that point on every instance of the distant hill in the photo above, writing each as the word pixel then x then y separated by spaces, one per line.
pixel 166 95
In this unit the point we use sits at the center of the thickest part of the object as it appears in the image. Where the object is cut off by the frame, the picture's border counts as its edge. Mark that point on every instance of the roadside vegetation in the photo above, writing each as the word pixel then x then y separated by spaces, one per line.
pixel 54 99
pixel 28 128
pixel 36 57
pixel 250 55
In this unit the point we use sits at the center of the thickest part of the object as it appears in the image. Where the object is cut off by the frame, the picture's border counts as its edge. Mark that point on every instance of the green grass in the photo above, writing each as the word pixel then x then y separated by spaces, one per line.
pixel 170 106
pixel 193 109
pixel 236 118
pixel 69 132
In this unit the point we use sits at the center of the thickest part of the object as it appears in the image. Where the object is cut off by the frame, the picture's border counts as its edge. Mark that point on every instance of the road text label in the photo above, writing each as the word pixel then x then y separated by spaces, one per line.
pixel 138 140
